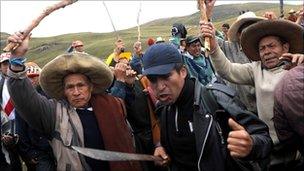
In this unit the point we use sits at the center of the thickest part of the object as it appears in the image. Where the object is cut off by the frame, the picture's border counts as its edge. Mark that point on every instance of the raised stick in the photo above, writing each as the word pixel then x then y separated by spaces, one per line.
pixel 202 7
pixel 12 46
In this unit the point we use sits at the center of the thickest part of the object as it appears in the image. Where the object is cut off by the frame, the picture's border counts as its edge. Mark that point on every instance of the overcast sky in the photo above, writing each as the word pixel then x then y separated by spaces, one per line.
pixel 91 16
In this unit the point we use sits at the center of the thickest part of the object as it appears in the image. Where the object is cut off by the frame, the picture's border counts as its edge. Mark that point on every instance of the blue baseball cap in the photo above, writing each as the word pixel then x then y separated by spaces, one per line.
pixel 160 59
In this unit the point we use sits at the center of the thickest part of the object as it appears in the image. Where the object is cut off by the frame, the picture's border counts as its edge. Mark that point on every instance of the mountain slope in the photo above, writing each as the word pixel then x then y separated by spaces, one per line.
pixel 42 50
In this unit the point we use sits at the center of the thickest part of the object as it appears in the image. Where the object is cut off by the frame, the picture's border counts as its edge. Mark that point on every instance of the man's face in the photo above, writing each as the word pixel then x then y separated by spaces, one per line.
pixel 271 49
pixel 224 30
pixel 34 80
pixel 79 48
pixel 77 90
pixel 168 87
pixel 4 66
pixel 195 49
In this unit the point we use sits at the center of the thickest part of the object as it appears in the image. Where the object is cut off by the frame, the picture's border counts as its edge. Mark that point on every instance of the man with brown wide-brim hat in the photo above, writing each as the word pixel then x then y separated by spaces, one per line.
pixel 80 113
pixel 268 43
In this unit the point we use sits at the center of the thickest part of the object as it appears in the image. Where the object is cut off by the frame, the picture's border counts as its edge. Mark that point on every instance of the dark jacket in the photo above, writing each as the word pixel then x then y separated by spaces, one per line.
pixel 32 143
pixel 211 132
pixel 136 63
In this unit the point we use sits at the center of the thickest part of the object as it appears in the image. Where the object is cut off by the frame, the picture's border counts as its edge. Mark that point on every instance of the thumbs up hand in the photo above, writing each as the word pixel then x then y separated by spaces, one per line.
pixel 239 140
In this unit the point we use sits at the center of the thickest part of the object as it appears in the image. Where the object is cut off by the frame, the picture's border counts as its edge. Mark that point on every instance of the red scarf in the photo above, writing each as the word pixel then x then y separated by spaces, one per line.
pixel 111 117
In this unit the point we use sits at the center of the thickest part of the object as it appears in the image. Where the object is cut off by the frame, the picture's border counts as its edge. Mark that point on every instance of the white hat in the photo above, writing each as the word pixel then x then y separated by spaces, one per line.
pixel 159 40
pixel 242 19
pixel 5 56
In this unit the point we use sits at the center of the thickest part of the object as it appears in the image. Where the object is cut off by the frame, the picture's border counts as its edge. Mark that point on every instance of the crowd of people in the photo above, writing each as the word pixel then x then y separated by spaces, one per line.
pixel 239 106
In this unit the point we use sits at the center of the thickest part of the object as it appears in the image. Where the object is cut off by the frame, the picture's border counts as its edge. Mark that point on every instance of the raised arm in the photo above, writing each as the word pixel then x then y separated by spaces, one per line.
pixel 233 72
pixel 37 110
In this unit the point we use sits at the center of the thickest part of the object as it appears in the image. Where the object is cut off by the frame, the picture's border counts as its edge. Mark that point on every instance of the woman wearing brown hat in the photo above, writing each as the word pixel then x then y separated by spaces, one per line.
pixel 80 113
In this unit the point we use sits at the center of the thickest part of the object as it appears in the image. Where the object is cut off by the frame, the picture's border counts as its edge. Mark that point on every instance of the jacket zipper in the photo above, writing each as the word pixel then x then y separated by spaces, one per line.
pixel 176 117
pixel 205 140
pixel 219 129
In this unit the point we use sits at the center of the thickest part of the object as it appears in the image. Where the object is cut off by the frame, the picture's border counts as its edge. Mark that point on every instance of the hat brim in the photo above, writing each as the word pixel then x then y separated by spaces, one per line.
pixel 159 70
pixel 285 29
pixel 4 59
pixel 53 73
pixel 232 32
pixel 195 39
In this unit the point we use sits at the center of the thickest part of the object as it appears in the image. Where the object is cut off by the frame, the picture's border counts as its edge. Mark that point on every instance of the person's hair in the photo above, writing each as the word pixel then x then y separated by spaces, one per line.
pixel 279 38
pixel 226 25
pixel 282 40
pixel 178 67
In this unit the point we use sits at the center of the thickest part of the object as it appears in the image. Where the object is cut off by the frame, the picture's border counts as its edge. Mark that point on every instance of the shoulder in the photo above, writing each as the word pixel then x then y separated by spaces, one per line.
pixel 106 98
pixel 226 97
pixel 218 88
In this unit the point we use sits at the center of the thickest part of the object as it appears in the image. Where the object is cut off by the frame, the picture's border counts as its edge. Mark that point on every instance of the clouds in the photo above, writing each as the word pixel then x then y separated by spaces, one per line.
pixel 90 16
pixel 87 16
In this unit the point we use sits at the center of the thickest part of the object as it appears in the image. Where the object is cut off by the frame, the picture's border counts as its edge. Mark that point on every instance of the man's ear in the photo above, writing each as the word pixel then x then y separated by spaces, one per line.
pixel 286 47
pixel 184 72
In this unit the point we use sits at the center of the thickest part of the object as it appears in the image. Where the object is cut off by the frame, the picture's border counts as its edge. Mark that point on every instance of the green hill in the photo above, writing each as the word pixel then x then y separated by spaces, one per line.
pixel 101 45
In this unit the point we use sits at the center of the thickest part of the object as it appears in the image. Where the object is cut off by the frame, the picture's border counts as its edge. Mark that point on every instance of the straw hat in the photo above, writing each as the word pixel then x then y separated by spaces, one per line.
pixel 292 11
pixel 242 19
pixel 285 29
pixel 53 73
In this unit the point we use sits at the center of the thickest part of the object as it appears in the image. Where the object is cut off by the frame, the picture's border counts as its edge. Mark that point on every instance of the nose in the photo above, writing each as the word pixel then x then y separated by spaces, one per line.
pixel 160 84
pixel 267 51
pixel 76 91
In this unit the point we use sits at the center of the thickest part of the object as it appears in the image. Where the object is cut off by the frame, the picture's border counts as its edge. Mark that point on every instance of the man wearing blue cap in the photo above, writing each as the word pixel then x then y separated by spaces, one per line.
pixel 194 132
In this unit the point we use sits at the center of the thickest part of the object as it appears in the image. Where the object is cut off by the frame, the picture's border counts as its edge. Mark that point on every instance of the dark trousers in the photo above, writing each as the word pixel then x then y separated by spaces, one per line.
pixel 46 162
pixel 15 159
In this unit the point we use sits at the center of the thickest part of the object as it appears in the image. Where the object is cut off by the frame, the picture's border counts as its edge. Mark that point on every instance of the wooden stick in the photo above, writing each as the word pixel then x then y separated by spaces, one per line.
pixel 138 25
pixel 12 46
pixel 204 17
pixel 111 20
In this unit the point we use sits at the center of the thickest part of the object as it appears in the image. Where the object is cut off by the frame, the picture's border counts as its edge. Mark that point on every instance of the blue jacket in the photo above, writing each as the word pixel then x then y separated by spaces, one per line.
pixel 136 63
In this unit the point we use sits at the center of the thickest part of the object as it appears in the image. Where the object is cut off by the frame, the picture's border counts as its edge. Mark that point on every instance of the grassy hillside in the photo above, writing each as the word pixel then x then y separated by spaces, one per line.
pixel 101 45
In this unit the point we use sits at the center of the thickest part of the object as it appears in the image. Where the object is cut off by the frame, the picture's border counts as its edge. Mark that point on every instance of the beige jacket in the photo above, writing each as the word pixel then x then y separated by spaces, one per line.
pixel 67 158
pixel 263 80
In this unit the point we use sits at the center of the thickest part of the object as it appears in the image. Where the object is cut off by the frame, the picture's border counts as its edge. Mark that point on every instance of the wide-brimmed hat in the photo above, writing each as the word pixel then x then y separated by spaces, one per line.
pixel 242 19
pixel 287 30
pixel 54 72
pixel 292 11
pixel 159 40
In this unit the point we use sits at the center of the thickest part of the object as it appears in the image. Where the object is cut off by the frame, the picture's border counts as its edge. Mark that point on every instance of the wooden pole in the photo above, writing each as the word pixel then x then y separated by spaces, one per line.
pixel 111 20
pixel 138 25
pixel 204 17
pixel 12 46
